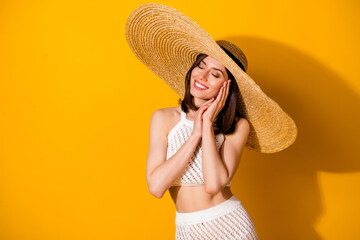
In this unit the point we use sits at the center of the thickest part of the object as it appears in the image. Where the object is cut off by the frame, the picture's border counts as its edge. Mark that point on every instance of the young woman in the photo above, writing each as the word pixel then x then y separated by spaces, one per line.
pixel 196 160
pixel 195 148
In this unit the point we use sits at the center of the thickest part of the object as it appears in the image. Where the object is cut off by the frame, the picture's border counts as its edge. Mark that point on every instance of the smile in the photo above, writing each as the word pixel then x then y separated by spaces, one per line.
pixel 199 86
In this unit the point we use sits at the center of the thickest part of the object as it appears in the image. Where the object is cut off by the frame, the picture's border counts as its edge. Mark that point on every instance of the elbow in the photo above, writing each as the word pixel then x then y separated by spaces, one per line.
pixel 212 189
pixel 157 194
pixel 155 190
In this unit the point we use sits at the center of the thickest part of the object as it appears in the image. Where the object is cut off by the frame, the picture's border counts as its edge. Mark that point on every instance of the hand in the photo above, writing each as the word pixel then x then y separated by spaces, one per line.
pixel 197 127
pixel 214 109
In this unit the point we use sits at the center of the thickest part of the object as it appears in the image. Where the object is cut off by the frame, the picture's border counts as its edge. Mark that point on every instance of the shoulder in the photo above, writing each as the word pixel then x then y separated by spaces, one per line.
pixel 242 129
pixel 165 114
pixel 242 125
pixel 164 117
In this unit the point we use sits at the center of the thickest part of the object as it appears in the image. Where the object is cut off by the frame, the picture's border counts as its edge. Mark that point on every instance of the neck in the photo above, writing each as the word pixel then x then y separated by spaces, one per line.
pixel 198 102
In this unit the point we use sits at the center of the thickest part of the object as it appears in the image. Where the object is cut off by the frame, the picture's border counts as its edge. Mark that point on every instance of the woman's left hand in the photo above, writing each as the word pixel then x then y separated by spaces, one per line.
pixel 216 106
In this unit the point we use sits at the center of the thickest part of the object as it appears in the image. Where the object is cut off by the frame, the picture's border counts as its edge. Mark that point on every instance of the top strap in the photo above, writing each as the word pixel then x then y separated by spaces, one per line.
pixel 183 114
pixel 184 119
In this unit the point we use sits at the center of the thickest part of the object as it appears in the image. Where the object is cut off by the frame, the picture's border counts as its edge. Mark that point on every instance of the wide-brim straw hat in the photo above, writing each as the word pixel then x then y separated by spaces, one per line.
pixel 167 42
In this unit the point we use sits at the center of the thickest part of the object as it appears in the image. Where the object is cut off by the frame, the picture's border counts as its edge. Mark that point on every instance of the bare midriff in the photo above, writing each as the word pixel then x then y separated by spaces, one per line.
pixel 194 198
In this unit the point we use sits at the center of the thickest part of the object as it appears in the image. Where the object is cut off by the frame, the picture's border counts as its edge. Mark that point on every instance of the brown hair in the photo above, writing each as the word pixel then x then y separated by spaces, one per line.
pixel 226 120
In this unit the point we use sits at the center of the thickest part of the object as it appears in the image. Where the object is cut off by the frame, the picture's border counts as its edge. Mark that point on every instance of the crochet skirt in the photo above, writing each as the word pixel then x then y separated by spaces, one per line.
pixel 227 220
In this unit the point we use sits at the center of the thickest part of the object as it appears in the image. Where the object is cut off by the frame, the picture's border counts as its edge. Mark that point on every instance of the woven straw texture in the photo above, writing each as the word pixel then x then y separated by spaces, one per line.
pixel 167 42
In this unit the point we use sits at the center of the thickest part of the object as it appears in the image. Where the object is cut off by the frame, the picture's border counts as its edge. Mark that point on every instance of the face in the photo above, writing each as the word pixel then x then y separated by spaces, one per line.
pixel 207 78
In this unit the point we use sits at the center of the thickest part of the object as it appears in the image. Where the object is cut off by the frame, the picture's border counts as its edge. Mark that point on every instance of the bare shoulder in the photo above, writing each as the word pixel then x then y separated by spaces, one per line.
pixel 242 129
pixel 165 117
pixel 168 110
pixel 243 124
pixel 166 114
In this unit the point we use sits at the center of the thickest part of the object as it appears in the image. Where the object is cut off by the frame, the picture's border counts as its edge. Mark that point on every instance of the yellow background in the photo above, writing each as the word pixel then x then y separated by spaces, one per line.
pixel 75 108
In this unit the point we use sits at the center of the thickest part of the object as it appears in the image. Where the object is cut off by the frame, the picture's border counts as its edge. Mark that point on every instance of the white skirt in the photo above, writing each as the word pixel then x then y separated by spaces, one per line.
pixel 227 220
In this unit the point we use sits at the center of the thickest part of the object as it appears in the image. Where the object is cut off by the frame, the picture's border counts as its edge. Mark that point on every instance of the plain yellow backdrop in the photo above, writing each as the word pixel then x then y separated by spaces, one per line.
pixel 75 108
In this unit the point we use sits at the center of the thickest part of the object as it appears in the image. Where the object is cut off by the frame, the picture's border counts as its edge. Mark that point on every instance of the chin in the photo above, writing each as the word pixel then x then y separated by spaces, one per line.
pixel 197 94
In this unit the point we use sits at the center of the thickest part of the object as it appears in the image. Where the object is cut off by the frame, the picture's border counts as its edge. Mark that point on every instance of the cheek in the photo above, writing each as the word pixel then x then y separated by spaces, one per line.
pixel 194 72
pixel 215 91
pixel 218 86
pixel 193 75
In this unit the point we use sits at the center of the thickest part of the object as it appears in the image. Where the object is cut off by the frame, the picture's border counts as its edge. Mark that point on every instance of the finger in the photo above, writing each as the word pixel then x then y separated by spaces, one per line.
pixel 226 91
pixel 228 86
pixel 201 112
pixel 210 100
pixel 218 97
pixel 208 103
pixel 201 109
pixel 204 106
pixel 221 97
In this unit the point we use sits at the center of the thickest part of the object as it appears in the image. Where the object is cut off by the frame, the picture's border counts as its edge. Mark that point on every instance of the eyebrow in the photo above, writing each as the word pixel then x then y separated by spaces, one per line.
pixel 213 67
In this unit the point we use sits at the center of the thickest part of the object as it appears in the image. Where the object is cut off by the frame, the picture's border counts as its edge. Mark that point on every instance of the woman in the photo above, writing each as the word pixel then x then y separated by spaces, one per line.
pixel 195 148
pixel 208 86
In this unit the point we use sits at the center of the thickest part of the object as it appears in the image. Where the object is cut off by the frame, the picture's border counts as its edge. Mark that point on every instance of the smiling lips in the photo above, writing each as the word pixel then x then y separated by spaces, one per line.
pixel 199 86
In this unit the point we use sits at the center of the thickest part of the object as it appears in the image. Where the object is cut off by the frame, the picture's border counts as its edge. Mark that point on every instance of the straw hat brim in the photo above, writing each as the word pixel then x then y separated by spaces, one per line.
pixel 167 42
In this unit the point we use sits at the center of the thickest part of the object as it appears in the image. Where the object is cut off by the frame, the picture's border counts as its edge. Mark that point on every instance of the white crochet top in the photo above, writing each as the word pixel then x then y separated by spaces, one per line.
pixel 177 136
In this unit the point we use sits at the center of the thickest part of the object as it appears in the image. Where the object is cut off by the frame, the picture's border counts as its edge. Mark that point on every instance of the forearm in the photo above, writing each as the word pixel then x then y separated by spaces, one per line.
pixel 170 170
pixel 214 169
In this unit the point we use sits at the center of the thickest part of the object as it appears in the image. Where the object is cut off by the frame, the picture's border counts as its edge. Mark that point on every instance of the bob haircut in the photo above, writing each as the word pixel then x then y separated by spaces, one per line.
pixel 226 120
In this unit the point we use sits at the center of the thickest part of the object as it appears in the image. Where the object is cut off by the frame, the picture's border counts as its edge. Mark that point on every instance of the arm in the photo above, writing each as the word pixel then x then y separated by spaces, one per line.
pixel 220 167
pixel 161 173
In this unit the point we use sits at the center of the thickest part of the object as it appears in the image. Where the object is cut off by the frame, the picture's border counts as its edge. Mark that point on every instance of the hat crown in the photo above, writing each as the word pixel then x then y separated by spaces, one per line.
pixel 235 51
pixel 168 42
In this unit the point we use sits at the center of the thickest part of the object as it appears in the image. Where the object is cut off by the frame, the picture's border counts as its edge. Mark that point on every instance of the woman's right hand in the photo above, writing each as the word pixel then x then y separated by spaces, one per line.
pixel 197 127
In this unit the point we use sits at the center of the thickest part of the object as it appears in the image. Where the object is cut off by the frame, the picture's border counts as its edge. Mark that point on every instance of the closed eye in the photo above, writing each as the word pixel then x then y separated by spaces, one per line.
pixel 211 74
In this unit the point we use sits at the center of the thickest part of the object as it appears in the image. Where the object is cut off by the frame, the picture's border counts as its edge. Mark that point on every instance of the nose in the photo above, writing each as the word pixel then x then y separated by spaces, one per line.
pixel 202 76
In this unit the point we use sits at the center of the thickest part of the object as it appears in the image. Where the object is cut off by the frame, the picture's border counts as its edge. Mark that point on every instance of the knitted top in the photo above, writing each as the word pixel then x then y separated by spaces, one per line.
pixel 177 136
